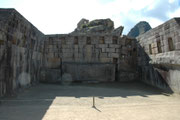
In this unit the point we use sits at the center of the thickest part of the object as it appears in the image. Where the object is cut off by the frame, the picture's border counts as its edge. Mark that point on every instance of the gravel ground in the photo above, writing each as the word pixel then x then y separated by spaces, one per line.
pixel 113 101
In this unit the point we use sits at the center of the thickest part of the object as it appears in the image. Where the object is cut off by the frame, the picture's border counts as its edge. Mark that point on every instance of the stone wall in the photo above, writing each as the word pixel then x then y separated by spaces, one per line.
pixel 94 50
pixel 21 46
pixel 28 56
pixel 127 65
pixel 159 55
pixel 89 72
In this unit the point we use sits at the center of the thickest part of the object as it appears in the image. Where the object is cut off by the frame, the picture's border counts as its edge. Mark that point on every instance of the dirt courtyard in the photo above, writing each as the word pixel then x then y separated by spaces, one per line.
pixel 113 101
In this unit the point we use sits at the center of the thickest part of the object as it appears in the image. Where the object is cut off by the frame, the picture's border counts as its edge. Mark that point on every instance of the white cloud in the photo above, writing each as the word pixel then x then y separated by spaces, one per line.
pixel 175 14
pixel 171 1
pixel 62 16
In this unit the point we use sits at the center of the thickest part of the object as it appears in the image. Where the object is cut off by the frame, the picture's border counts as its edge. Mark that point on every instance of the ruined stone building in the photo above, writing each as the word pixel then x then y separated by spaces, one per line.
pixel 159 55
pixel 93 52
pixel 89 57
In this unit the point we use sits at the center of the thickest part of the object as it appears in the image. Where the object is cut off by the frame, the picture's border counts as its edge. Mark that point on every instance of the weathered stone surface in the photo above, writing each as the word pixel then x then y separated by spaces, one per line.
pixel 90 72
pixel 66 79
pixel 118 31
pixel 95 51
pixel 21 47
pixel 81 24
pixel 160 64
pixel 50 75
pixel 99 25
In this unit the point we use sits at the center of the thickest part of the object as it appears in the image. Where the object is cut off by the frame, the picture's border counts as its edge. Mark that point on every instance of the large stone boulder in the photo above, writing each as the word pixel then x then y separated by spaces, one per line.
pixel 139 28
pixel 118 31
pixel 81 23
pixel 99 25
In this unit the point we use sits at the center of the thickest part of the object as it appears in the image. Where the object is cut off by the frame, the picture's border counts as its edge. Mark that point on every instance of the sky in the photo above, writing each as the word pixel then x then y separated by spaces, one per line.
pixel 62 16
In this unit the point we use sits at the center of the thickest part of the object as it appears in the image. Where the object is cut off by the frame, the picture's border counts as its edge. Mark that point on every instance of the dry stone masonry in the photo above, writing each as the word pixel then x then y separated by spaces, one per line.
pixel 159 55
pixel 93 52
pixel 21 46
pixel 91 56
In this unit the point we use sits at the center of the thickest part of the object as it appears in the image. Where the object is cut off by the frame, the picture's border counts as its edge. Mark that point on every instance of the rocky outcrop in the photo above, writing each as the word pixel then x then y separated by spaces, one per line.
pixel 99 25
pixel 139 28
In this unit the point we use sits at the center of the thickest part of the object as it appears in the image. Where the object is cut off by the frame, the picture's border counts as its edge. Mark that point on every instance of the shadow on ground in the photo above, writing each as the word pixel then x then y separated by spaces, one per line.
pixel 34 102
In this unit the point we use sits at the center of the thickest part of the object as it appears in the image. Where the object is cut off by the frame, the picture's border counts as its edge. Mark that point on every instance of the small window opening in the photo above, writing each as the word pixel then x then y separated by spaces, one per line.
pixel 76 40
pixel 115 60
pixel 134 49
pixel 63 41
pixel 170 42
pixel 14 41
pixel 115 40
pixel 101 40
pixel 88 41
pixel 130 53
pixel 159 46
pixel 150 49
pixel 1 42
pixel 20 57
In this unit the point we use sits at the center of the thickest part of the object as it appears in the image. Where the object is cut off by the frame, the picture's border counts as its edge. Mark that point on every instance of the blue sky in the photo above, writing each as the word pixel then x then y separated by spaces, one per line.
pixel 62 16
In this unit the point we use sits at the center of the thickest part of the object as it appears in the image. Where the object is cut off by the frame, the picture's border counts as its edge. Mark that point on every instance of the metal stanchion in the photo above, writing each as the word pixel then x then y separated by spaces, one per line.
pixel 93 102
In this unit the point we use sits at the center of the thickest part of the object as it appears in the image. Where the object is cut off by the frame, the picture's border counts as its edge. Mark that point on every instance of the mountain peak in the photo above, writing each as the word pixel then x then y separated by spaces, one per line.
pixel 139 28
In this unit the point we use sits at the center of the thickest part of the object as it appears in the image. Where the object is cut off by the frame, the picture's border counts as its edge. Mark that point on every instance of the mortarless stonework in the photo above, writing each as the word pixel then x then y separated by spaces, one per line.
pixel 91 56
pixel 159 55
pixel 94 52
pixel 21 46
